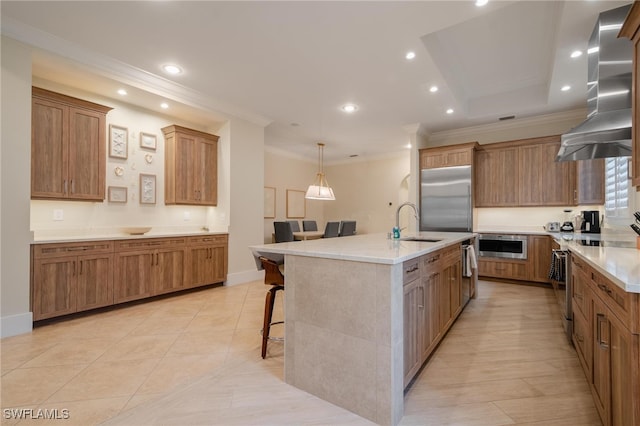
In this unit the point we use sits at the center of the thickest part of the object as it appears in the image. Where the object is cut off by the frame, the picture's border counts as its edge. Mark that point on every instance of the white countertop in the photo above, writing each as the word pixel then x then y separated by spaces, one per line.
pixel 372 248
pixel 620 265
pixel 92 235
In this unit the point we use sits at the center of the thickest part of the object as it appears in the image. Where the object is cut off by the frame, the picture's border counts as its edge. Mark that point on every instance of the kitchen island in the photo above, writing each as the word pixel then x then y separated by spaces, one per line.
pixel 345 318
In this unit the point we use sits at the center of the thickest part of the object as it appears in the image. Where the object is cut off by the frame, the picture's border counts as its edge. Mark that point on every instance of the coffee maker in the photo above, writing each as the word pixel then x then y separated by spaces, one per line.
pixel 590 222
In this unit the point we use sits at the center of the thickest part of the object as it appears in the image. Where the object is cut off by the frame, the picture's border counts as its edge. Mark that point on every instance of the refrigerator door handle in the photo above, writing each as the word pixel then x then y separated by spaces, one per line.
pixel 470 210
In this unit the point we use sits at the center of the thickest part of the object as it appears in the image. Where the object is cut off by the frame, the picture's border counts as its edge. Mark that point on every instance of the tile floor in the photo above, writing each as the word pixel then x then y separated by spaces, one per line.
pixel 194 359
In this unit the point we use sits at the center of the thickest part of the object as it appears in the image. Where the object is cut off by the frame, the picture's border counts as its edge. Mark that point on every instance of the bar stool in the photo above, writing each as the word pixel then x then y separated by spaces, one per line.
pixel 273 277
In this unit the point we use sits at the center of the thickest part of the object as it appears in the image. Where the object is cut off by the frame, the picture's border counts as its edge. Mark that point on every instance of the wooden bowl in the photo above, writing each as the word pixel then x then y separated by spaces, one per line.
pixel 137 231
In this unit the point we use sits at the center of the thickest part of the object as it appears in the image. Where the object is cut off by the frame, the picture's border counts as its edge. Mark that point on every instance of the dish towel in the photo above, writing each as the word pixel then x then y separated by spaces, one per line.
pixel 471 261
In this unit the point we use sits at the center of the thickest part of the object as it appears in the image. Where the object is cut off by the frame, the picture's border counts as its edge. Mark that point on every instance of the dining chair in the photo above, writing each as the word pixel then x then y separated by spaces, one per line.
pixel 283 232
pixel 347 227
pixel 295 225
pixel 309 225
pixel 331 229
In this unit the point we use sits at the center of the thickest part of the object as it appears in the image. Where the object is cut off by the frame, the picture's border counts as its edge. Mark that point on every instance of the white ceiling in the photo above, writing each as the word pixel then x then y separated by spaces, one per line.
pixel 291 65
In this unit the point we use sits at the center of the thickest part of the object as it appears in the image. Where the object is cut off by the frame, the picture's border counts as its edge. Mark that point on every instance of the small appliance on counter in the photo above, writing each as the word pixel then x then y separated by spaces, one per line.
pixel 567 225
pixel 590 222
pixel 552 227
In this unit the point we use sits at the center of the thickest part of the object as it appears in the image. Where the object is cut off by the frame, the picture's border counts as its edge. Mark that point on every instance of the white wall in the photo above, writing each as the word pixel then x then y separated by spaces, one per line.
pixel 15 157
pixel 370 191
pixel 283 171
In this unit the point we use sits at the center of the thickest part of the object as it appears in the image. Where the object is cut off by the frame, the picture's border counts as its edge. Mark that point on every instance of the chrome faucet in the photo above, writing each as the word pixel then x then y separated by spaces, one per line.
pixel 415 214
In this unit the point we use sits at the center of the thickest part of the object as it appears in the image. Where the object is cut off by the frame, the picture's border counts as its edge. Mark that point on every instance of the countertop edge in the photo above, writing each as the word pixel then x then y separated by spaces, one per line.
pixel 116 237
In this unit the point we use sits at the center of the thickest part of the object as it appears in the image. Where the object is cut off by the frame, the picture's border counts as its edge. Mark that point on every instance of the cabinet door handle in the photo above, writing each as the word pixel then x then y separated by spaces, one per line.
pixel 74 268
pixel 151 259
pixel 600 319
pixel 413 269
pixel 575 195
pixel 419 305
pixel 157 259
pixel 73 186
pixel 81 267
pixel 65 186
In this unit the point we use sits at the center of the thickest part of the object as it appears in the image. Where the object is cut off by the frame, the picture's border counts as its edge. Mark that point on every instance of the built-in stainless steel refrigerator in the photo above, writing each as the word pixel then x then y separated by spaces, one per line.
pixel 445 199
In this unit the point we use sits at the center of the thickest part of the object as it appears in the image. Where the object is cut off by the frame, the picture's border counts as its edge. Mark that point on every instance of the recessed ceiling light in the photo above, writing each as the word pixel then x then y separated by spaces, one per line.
pixel 433 89
pixel 122 92
pixel 164 105
pixel 576 53
pixel 295 124
pixel 172 69
pixel 565 88
pixel 481 3
pixel 349 108
pixel 410 55
pixel 408 146
pixel 450 111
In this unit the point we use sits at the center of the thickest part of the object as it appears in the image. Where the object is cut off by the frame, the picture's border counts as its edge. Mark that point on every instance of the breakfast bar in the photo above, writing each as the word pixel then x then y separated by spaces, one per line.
pixel 344 321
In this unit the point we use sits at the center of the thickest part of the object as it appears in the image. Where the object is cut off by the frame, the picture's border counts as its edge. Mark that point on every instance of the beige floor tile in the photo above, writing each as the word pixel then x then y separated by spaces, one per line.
pixel 479 414
pixel 106 380
pixel 172 372
pixel 80 413
pixel 81 352
pixel 202 343
pixel 29 386
pixel 139 347
pixel 162 323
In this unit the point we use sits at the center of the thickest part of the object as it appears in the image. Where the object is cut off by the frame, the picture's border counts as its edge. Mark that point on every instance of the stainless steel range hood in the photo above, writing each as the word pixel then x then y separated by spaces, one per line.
pixel 607 130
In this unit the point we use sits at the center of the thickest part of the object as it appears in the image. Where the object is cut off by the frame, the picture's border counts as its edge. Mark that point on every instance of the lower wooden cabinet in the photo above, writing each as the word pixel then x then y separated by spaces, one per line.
pixel 73 277
pixel 534 268
pixel 69 278
pixel 502 268
pixel 608 345
pixel 432 302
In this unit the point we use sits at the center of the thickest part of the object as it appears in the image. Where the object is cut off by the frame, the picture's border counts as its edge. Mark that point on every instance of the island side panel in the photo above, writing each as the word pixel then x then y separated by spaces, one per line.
pixel 344 334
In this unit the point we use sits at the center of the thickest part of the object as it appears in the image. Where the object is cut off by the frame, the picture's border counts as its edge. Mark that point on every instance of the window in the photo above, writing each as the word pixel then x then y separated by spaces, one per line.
pixel 617 196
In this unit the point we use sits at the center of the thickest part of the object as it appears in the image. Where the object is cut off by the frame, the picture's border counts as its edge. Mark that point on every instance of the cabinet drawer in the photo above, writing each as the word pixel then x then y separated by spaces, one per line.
pixel 149 243
pixel 581 337
pixel 579 294
pixel 451 255
pixel 430 262
pixel 624 305
pixel 410 270
pixel 503 269
pixel 66 249
pixel 208 240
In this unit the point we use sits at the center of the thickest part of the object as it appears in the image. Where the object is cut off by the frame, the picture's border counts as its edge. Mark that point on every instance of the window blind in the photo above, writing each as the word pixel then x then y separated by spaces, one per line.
pixel 617 188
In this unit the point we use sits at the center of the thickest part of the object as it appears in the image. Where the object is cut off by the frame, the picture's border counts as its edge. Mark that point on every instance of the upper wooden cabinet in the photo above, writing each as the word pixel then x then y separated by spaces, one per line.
pixel 447 156
pixel 524 173
pixel 68 147
pixel 630 30
pixel 496 177
pixel 589 182
pixel 191 167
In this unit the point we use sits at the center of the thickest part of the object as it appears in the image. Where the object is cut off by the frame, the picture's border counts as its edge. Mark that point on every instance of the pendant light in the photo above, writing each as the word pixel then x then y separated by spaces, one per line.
pixel 320 189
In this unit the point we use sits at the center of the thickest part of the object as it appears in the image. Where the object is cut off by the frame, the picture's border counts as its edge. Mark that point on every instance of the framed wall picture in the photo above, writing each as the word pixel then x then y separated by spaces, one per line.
pixel 269 202
pixel 296 204
pixel 148 141
pixel 117 194
pixel 147 189
pixel 118 141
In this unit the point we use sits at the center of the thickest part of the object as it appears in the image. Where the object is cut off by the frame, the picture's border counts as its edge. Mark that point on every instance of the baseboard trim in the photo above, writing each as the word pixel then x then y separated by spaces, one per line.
pixel 244 277
pixel 12 325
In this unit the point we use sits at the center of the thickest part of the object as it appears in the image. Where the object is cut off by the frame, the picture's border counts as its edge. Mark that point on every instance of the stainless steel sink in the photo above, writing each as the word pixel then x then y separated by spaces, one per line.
pixel 421 239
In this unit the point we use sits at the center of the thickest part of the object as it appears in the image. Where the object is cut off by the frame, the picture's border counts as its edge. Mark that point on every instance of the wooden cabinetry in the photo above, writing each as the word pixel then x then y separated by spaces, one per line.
pixel 70 277
pixel 525 173
pixel 496 177
pixel 503 268
pixel 447 156
pixel 543 181
pixel 73 277
pixel 207 260
pixel 432 302
pixel 589 182
pixel 68 147
pixel 539 257
pixel 148 267
pixel 610 352
pixel 630 30
pixel 191 167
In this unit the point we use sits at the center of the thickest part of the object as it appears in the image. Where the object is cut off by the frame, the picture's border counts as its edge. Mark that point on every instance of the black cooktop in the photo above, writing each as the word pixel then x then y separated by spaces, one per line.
pixel 596 243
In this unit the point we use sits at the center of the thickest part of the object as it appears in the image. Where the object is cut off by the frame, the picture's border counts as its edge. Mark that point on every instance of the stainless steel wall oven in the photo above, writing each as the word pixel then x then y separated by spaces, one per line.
pixel 505 246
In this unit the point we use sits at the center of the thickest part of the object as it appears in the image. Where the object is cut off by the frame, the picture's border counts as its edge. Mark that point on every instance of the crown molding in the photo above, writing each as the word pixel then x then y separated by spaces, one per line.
pixel 471 132
pixel 124 73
